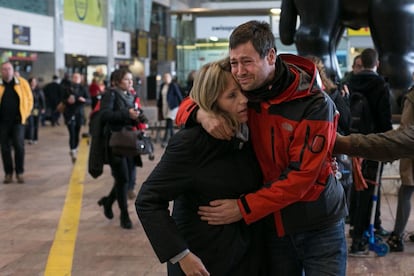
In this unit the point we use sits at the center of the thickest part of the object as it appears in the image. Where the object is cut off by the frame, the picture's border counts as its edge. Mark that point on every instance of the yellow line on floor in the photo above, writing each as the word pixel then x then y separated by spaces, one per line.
pixel 60 258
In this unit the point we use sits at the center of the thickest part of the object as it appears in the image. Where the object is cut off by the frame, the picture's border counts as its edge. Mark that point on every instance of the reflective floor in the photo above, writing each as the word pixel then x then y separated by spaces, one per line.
pixel 40 235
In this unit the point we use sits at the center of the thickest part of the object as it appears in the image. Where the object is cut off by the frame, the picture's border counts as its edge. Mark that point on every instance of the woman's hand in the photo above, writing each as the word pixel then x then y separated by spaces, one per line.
pixel 71 99
pixel 133 113
pixel 193 266
pixel 344 91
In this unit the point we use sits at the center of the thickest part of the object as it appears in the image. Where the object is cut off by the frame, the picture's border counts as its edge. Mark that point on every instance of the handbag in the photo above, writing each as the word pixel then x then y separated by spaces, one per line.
pixel 61 107
pixel 129 142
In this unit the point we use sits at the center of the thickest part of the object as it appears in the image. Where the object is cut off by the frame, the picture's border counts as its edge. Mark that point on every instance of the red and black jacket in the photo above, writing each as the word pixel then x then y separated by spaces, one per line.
pixel 293 133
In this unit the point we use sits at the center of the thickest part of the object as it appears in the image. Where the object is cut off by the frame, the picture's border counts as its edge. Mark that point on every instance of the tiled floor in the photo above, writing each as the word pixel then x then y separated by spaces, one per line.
pixel 30 213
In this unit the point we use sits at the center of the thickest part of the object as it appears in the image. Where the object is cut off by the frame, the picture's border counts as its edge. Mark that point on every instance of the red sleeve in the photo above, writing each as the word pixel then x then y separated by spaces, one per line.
pixel 185 110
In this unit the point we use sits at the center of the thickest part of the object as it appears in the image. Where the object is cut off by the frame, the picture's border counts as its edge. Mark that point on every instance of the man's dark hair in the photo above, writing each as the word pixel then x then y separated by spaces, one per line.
pixel 369 58
pixel 259 33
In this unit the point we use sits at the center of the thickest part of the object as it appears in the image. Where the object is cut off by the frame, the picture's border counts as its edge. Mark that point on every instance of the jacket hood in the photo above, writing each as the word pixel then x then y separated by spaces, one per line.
pixel 295 78
pixel 365 81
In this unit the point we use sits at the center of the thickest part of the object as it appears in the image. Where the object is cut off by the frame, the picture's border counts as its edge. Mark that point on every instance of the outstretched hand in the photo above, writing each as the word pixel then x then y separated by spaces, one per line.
pixel 215 125
pixel 221 211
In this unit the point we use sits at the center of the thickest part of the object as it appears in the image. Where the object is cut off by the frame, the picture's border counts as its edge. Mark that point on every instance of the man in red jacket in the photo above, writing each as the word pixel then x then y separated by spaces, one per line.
pixel 293 128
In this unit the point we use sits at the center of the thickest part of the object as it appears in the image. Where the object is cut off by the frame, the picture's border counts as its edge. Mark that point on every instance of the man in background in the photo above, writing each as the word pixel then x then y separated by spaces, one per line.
pixel 16 103
pixel 376 91
pixel 53 94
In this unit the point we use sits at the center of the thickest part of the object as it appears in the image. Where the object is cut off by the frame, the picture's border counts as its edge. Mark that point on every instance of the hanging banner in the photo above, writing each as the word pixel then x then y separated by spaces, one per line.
pixel 85 11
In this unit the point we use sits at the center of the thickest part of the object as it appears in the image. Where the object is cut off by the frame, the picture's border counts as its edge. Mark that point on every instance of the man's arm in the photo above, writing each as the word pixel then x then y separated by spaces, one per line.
pixel 387 146
pixel 190 114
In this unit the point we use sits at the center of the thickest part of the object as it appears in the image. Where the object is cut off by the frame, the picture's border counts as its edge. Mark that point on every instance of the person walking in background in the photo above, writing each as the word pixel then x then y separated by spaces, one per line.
pixel 293 128
pixel 194 169
pixel 39 109
pixel 53 94
pixel 190 82
pixel 119 108
pixel 376 91
pixel 96 88
pixel 169 99
pixel 130 160
pixel 406 190
pixel 344 173
pixel 16 103
pixel 75 97
pixel 356 68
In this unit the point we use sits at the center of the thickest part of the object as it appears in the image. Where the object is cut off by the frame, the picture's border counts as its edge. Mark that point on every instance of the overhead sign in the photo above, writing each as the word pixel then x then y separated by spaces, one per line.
pixel 221 27
pixel 360 32
pixel 85 12
pixel 21 35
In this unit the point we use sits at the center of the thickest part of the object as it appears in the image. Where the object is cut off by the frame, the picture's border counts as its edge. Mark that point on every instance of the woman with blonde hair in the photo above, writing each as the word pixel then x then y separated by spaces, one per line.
pixel 195 169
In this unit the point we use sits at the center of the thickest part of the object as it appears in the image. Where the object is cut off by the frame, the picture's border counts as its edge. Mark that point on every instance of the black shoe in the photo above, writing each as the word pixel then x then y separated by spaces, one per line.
pixel 381 232
pixel 395 243
pixel 359 248
pixel 8 179
pixel 125 221
pixel 411 237
pixel 107 207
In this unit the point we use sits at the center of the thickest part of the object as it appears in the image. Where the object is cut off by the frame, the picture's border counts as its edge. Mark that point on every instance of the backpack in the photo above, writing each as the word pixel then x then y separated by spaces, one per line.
pixel 362 120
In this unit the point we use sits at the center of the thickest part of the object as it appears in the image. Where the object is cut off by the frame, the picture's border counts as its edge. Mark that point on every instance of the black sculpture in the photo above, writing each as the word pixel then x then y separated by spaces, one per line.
pixel 322 23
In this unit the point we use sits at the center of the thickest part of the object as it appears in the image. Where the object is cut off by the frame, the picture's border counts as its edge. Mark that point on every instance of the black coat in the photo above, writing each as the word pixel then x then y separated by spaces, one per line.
pixel 195 169
pixel 115 114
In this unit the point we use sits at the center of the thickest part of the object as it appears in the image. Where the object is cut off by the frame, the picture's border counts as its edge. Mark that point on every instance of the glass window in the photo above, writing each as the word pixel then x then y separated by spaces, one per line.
pixel 44 7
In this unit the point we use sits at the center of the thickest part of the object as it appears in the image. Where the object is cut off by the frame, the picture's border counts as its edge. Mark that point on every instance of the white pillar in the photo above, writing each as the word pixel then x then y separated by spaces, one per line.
pixel 110 36
pixel 58 38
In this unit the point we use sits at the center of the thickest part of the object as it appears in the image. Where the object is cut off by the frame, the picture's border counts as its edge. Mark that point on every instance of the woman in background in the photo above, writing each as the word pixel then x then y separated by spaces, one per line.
pixel 119 108
pixel 39 108
pixel 169 99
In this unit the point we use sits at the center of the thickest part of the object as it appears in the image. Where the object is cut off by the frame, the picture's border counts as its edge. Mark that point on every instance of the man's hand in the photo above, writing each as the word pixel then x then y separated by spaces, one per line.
pixel 215 125
pixel 193 266
pixel 221 211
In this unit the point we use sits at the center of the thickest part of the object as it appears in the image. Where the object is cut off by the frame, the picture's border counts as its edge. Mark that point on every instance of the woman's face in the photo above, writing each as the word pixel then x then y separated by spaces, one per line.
pixel 126 82
pixel 233 101
pixel 33 83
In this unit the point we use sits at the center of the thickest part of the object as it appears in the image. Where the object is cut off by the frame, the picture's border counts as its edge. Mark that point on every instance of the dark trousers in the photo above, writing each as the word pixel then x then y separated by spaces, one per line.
pixel 12 135
pixel 132 168
pixel 363 201
pixel 169 129
pixel 32 128
pixel 120 173
pixel 312 253
pixel 74 125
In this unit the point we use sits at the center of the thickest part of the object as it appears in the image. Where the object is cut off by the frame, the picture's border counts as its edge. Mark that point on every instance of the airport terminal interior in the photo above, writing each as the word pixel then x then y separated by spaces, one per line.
pixel 52 223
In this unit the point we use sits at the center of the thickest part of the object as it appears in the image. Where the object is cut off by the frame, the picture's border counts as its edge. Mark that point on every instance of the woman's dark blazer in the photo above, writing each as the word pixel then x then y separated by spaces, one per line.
pixel 195 169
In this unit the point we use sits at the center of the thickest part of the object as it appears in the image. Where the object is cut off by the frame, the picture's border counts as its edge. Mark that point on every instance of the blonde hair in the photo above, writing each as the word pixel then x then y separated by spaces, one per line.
pixel 209 82
pixel 328 84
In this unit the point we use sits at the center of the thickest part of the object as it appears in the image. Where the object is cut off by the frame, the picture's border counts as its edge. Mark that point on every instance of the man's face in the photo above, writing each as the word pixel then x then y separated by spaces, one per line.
pixel 7 71
pixel 76 78
pixel 249 69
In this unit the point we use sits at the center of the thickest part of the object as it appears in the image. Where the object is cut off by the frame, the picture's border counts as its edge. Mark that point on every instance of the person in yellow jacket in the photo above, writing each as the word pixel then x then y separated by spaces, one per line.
pixel 16 103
